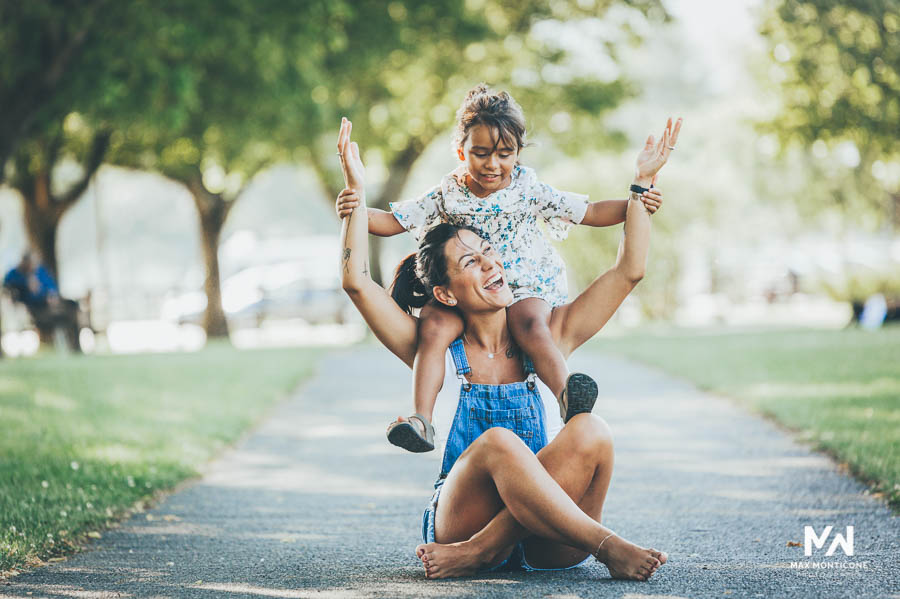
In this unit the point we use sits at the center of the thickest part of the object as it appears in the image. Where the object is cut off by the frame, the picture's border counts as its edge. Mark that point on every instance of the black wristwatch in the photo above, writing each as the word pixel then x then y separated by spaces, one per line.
pixel 640 190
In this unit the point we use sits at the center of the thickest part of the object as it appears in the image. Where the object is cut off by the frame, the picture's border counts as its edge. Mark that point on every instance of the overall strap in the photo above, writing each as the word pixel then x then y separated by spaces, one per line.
pixel 459 358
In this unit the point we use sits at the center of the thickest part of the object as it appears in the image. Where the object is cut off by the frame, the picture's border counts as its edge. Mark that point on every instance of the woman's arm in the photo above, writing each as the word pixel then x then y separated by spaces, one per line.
pixel 392 326
pixel 574 323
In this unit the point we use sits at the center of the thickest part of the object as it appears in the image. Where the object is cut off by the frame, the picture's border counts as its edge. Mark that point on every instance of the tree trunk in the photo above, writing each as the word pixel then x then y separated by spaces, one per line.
pixel 213 210
pixel 42 215
pixel 399 171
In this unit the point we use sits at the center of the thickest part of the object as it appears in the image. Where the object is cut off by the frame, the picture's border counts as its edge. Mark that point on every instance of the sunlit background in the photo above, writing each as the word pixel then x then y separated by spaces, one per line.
pixel 781 200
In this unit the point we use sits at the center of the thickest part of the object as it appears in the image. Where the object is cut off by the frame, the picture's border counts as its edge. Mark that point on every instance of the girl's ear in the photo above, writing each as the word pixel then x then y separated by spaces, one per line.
pixel 459 152
pixel 443 295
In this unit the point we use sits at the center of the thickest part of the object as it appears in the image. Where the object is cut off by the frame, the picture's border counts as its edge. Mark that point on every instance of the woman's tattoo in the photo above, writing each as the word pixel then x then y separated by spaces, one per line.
pixel 346 260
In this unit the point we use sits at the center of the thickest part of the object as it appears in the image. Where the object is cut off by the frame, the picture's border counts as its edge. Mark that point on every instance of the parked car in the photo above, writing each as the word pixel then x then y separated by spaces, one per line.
pixel 291 289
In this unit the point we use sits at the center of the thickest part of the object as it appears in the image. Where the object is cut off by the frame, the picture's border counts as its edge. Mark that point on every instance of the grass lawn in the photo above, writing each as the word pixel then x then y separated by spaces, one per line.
pixel 839 389
pixel 84 438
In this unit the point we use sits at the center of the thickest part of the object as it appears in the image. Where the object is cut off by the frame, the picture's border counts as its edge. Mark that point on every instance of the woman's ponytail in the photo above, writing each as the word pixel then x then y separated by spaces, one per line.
pixel 426 269
pixel 407 289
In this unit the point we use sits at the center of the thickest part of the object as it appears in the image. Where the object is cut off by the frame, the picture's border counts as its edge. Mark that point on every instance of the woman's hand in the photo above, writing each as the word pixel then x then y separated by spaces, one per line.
pixel 351 163
pixel 654 155
pixel 347 200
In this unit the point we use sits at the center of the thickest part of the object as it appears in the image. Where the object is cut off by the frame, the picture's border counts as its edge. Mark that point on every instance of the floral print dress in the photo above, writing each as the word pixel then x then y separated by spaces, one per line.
pixel 510 217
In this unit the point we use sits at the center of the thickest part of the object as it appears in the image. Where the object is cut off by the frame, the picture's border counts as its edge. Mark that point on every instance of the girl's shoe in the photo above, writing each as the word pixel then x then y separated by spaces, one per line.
pixel 578 397
pixel 407 435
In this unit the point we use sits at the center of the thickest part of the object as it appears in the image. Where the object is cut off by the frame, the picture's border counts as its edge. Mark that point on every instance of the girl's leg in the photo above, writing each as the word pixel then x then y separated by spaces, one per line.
pixel 439 326
pixel 580 460
pixel 529 324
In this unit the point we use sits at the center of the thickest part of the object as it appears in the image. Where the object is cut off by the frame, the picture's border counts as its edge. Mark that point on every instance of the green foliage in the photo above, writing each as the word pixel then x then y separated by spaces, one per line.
pixel 860 284
pixel 63 57
pixel 837 65
pixel 839 389
pixel 401 71
pixel 86 438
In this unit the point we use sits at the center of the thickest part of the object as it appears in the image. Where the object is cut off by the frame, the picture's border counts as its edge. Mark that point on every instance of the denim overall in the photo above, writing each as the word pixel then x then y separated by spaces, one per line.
pixel 514 406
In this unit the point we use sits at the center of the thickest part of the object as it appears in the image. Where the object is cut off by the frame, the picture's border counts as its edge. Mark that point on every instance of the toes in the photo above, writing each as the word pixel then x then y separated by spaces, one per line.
pixel 420 551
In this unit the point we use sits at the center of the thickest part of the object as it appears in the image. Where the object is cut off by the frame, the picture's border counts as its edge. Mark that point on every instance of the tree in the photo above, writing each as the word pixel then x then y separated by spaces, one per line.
pixel 232 73
pixel 33 177
pixel 838 66
pixel 400 71
pixel 57 57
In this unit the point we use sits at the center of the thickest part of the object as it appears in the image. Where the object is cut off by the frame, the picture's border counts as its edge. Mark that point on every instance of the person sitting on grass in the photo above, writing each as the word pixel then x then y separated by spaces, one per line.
pixel 509 494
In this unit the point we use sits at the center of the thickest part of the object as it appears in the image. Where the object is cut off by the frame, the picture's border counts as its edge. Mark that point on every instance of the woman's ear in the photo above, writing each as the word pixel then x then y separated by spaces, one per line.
pixel 443 295
pixel 460 154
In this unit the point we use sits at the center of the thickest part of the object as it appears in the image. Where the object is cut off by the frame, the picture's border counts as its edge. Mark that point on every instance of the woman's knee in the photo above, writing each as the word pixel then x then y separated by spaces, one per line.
pixel 497 441
pixel 591 434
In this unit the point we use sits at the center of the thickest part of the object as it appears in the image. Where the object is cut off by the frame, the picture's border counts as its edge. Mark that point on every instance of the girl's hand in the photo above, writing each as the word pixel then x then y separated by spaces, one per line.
pixel 652 199
pixel 654 155
pixel 351 164
pixel 347 200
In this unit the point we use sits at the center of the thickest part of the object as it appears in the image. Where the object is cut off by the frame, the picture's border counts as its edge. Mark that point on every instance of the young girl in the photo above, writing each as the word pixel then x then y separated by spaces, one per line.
pixel 492 192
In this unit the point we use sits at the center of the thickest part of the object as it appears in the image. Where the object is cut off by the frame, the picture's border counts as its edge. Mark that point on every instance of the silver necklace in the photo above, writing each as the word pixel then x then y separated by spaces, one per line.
pixel 489 354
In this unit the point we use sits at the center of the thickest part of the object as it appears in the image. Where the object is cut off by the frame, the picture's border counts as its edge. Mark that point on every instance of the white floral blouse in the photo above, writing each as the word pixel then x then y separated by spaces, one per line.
pixel 510 218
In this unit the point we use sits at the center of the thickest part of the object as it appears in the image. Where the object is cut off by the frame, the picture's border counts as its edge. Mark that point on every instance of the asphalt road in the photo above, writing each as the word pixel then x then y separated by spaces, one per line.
pixel 316 503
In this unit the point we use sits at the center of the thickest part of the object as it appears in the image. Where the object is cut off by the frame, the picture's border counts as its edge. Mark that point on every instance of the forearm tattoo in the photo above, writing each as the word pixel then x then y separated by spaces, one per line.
pixel 346 260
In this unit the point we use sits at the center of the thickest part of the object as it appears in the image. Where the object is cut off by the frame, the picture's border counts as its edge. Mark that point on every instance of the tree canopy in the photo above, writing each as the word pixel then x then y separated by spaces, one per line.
pixel 837 65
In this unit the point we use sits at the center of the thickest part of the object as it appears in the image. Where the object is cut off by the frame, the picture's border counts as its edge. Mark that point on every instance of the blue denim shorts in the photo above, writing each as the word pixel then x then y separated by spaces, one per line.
pixel 516 561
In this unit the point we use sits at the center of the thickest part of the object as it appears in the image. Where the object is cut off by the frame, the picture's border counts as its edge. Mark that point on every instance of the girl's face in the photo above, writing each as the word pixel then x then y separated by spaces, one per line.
pixel 489 162
pixel 477 280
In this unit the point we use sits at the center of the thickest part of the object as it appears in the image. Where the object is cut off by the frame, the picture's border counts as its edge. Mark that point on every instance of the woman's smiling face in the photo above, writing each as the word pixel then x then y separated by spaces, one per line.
pixel 489 159
pixel 477 280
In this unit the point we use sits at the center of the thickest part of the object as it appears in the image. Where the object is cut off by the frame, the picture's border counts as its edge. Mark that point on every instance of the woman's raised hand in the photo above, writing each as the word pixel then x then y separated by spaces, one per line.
pixel 654 155
pixel 351 163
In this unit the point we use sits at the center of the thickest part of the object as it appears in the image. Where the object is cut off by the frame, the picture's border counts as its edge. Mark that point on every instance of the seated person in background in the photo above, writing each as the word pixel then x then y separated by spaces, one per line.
pixel 32 285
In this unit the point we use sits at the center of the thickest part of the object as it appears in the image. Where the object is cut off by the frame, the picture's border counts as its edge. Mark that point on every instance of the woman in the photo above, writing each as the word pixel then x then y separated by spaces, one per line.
pixel 506 497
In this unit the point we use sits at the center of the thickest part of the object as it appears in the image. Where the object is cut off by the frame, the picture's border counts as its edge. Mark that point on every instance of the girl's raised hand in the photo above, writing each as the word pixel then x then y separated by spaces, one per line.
pixel 652 199
pixel 347 200
pixel 654 155
pixel 351 163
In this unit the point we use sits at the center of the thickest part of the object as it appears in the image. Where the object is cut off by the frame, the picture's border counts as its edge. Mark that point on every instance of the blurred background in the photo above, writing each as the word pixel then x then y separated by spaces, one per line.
pixel 171 164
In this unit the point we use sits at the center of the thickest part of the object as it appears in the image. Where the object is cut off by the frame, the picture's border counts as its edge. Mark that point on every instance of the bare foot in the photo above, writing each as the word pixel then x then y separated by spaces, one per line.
pixel 451 560
pixel 624 559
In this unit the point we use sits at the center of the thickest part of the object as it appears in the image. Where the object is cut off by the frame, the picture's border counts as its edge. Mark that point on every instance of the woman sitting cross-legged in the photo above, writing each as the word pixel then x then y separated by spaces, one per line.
pixel 516 490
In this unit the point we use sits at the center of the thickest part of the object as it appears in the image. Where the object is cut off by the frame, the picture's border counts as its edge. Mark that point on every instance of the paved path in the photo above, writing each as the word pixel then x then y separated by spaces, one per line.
pixel 317 504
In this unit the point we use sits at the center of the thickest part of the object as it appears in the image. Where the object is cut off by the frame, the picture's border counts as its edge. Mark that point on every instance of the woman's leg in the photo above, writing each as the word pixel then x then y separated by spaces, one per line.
pixel 439 326
pixel 529 324
pixel 580 461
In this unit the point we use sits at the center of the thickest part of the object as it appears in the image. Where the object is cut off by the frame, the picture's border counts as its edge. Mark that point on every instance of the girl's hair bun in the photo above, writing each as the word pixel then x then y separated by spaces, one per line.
pixel 497 110
pixel 481 88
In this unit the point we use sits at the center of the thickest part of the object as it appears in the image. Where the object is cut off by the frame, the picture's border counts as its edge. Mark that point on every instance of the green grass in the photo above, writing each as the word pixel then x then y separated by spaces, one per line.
pixel 839 389
pixel 85 438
